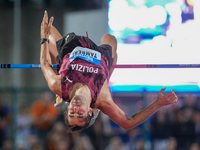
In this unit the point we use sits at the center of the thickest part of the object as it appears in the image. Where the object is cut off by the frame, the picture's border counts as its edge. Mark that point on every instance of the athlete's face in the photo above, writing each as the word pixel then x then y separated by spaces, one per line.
pixel 78 111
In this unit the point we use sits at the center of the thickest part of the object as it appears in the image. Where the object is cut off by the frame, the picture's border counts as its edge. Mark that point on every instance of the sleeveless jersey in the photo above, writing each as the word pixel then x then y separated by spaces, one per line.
pixel 84 65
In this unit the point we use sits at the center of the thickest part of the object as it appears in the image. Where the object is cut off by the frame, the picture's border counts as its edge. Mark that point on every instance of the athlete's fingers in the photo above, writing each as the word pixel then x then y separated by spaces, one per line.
pixel 51 21
pixel 162 90
pixel 171 97
pixel 46 17
pixel 173 92
pixel 43 20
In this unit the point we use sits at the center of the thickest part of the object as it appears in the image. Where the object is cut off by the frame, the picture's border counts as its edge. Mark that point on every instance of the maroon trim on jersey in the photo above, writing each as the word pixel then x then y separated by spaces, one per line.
pixel 85 41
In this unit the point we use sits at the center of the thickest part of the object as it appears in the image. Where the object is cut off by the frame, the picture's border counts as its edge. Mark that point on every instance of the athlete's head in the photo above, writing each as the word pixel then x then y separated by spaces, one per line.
pixel 78 114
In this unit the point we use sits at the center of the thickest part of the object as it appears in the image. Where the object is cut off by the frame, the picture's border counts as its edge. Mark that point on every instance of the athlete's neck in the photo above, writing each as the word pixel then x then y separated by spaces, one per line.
pixel 80 89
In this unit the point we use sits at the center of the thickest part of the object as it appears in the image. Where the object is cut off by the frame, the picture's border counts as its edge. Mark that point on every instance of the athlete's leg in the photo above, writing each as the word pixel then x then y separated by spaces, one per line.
pixel 112 41
pixel 55 36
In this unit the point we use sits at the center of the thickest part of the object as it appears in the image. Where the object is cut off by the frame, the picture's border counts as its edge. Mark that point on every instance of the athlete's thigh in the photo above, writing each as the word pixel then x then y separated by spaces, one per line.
pixel 112 41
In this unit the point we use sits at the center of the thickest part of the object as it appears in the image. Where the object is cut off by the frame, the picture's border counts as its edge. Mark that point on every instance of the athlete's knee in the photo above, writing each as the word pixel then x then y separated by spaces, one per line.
pixel 108 37
pixel 110 40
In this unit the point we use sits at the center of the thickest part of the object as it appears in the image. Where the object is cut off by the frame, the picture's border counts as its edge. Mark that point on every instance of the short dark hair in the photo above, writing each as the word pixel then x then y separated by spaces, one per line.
pixel 73 128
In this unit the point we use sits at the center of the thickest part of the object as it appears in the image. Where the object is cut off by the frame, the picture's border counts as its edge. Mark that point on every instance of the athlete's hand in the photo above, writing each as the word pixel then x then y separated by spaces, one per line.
pixel 167 99
pixel 45 26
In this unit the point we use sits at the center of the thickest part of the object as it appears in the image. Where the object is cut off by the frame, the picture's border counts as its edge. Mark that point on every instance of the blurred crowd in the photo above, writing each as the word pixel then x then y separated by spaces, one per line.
pixel 40 126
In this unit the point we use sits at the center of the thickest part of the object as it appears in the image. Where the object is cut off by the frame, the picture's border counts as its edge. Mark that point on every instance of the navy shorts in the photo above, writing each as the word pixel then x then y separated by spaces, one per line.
pixel 71 40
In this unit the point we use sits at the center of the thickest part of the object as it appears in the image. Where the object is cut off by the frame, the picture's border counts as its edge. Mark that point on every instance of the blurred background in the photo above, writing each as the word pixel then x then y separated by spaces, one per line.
pixel 148 32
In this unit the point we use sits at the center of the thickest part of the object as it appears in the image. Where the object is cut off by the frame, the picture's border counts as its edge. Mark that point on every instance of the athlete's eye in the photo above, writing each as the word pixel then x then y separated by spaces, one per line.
pixel 79 116
pixel 71 114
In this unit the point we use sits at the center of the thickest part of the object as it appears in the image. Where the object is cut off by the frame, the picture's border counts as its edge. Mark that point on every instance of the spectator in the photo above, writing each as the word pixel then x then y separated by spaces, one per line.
pixel 24 122
pixel 115 128
pixel 34 143
pixel 171 111
pixel 161 129
pixel 172 144
pixel 59 138
pixel 83 142
pixel 5 120
pixel 97 135
pixel 7 144
pixel 86 143
pixel 62 145
pixel 44 114
pixel 184 129
pixel 135 138
pixel 116 143
pixel 140 145
pixel 197 125
pixel 190 103
pixel 194 146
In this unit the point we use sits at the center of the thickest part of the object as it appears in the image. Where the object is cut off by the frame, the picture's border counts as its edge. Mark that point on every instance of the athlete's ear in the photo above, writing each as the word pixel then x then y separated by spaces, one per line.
pixel 90 111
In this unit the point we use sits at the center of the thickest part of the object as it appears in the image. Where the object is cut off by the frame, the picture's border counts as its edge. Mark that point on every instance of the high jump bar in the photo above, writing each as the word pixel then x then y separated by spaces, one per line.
pixel 55 66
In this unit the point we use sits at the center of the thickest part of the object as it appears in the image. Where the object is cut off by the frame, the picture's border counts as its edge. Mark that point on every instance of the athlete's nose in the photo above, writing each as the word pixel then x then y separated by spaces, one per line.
pixel 76 108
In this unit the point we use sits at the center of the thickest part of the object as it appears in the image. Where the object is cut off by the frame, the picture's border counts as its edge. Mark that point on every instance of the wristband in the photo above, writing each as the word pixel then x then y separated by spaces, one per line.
pixel 42 40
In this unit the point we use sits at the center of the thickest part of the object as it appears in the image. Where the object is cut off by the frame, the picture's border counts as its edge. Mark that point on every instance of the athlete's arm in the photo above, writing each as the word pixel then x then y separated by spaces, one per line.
pixel 53 80
pixel 118 116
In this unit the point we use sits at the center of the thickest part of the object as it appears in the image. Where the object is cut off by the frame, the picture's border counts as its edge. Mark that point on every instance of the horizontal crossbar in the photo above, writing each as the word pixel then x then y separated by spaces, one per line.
pixel 55 66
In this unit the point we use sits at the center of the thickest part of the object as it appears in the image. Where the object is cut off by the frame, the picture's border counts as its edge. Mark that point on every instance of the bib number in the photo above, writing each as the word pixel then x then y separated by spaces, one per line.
pixel 86 54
